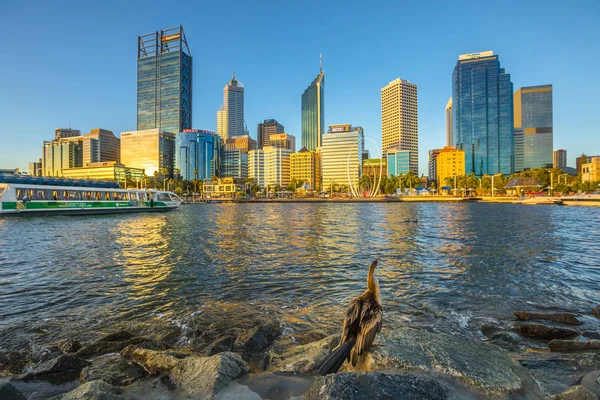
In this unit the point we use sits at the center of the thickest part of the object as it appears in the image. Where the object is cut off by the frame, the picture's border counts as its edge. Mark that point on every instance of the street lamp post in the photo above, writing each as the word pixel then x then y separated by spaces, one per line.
pixel 493 188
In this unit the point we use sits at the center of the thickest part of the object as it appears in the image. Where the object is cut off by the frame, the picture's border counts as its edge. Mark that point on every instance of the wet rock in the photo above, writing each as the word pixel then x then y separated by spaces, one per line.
pixel 573 345
pixel 596 311
pixel 508 340
pixel 310 336
pixel 69 346
pixel 376 386
pixel 256 340
pixel 591 334
pixel 545 332
pixel 42 353
pixel 224 343
pixel 171 336
pixel 591 382
pixel 153 361
pixel 61 369
pixel 113 370
pixel 486 367
pixel 204 376
pixel 110 344
pixel 95 390
pixel 575 393
pixel 13 363
pixel 9 392
pixel 563 318
pixel 238 392
pixel 302 359
pixel 148 344
pixel 117 337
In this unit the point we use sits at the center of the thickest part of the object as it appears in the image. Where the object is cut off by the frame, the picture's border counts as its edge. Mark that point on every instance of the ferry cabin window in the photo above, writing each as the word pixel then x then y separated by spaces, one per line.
pixel 126 196
pixel 107 196
pixel 21 194
pixel 163 197
pixel 97 196
pixel 132 196
pixel 54 195
pixel 88 195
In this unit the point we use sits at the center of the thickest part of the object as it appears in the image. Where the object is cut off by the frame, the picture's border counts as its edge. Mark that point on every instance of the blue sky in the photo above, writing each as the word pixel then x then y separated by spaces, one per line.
pixel 73 63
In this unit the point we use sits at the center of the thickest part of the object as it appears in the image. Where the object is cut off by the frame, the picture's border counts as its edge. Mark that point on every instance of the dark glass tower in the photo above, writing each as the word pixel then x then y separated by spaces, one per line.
pixel 164 86
pixel 482 114
pixel 533 115
pixel 313 113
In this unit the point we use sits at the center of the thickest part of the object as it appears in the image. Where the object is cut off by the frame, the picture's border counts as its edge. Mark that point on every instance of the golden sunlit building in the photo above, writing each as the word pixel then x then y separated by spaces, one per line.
pixel 449 162
pixel 590 172
pixel 149 149
pixel 112 170
pixel 243 143
pixel 269 167
pixel 305 167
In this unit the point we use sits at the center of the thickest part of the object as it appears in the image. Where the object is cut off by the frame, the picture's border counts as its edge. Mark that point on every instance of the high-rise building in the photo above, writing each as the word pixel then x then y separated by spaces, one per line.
pixel 519 150
pixel 267 128
pixel 270 166
pixel 590 171
pixel 482 114
pixel 101 145
pixel 399 122
pixel 63 133
pixel 533 114
pixel 559 158
pixel 197 154
pixel 150 149
pixel 256 166
pixel 35 168
pixel 164 82
pixel 230 116
pixel 313 112
pixel 448 123
pixel 398 162
pixel 62 153
pixel 449 162
pixel 305 167
pixel 234 164
pixel 341 156
pixel 244 143
pixel 432 173
pixel 283 141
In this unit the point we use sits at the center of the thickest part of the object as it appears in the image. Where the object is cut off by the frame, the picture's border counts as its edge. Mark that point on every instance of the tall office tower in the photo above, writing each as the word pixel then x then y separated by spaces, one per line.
pixel 62 153
pixel 313 112
pixel 101 145
pixel 267 128
pixel 432 173
pixel 230 116
pixel 243 143
pixel 234 164
pixel 197 154
pixel 164 88
pixel 559 158
pixel 449 123
pixel 519 150
pixel 269 166
pixel 283 141
pixel 482 114
pixel 63 133
pixel 150 149
pixel 342 150
pixel 399 124
pixel 533 114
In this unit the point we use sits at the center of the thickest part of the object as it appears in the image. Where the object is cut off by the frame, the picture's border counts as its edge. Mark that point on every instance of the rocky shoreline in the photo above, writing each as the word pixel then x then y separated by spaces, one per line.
pixel 252 355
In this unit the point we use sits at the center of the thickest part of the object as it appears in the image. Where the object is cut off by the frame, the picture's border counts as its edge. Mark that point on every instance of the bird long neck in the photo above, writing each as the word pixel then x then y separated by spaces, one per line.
pixel 372 283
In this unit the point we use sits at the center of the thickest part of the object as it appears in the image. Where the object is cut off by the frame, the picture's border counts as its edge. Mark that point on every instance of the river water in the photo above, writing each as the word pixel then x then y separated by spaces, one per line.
pixel 450 267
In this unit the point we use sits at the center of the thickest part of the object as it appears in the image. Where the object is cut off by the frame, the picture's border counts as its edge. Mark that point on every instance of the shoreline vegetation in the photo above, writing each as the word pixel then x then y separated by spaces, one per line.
pixel 250 352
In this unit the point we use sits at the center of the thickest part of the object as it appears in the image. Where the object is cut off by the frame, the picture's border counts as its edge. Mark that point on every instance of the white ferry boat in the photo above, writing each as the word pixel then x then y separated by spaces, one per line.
pixel 21 196
pixel 592 200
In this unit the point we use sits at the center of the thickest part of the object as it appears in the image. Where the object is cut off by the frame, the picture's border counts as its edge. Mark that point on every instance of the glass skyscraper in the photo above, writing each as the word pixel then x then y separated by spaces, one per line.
pixel 164 86
pixel 197 150
pixel 482 114
pixel 533 115
pixel 313 113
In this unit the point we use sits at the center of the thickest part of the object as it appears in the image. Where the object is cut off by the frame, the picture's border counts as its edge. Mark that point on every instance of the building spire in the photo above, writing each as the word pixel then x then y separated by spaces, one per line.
pixel 233 74
pixel 321 62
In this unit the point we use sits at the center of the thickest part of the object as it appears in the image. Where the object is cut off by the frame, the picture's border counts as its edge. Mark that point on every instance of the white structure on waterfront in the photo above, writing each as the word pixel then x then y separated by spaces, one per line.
pixel 269 167
pixel 341 156
pixel 449 123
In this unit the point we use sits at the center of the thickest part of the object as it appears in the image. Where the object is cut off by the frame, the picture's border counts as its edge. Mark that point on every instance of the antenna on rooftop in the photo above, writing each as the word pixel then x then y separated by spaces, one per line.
pixel 321 62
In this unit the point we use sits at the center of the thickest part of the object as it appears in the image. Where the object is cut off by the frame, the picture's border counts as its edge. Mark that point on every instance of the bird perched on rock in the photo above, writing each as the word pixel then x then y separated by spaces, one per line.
pixel 362 323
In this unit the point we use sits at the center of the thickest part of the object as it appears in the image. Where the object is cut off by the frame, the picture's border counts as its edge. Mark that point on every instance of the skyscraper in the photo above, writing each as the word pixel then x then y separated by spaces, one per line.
pixel 399 124
pixel 267 128
pixel 533 114
pixel 341 156
pixel 150 149
pixel 283 141
pixel 164 86
pixel 313 112
pixel 449 123
pixel 101 145
pixel 519 150
pixel 230 116
pixel 559 158
pixel 197 151
pixel 482 114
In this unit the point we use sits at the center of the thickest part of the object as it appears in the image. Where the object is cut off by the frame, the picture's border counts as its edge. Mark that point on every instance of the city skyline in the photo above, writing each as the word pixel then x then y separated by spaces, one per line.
pixel 86 99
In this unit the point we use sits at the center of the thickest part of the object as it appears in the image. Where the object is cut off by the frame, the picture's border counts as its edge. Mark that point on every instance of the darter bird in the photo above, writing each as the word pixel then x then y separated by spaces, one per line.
pixel 362 323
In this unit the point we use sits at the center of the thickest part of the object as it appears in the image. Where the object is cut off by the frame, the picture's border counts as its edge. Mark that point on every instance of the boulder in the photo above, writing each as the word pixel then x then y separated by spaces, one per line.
pixel 575 393
pixel 545 332
pixel 153 361
pixel 40 354
pixel 591 382
pixel 508 340
pixel 170 336
pixel 9 392
pixel 485 367
pixel 13 362
pixel 301 359
pixel 61 369
pixel 69 346
pixel 596 311
pixel 148 344
pixel 309 336
pixel 376 386
pixel 117 336
pixel 223 343
pixel 95 390
pixel 110 344
pixel 574 345
pixel 113 370
pixel 563 318
pixel 205 376
pixel 255 340
pixel 238 392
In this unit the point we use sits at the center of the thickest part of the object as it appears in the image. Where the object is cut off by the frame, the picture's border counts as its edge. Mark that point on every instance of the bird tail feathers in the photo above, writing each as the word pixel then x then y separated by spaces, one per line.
pixel 334 360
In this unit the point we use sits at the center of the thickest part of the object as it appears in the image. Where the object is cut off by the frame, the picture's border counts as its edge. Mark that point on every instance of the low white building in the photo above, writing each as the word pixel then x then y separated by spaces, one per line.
pixel 269 166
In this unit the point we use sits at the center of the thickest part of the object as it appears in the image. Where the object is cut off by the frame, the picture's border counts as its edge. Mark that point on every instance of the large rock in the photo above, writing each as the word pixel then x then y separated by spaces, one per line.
pixel 254 341
pixel 574 345
pixel 61 369
pixel 9 392
pixel 575 393
pixel 238 392
pixel 485 367
pixel 112 343
pixel 308 336
pixel 221 344
pixel 205 376
pixel 545 332
pixel 155 362
pixel 95 390
pixel 118 336
pixel 302 359
pixel 508 340
pixel 376 386
pixel 69 346
pixel 13 362
pixel 148 344
pixel 114 370
pixel 591 382
pixel 563 318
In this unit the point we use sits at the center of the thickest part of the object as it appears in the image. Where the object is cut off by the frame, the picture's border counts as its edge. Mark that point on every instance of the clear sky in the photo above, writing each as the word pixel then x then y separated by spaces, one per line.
pixel 73 63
